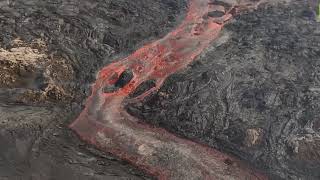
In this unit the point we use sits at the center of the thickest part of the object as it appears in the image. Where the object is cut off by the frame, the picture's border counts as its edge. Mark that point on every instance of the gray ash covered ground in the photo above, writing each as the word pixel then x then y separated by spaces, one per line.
pixel 255 93
pixel 50 52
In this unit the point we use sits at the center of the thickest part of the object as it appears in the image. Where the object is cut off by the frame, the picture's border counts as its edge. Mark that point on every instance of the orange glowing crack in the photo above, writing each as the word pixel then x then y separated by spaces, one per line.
pixel 105 123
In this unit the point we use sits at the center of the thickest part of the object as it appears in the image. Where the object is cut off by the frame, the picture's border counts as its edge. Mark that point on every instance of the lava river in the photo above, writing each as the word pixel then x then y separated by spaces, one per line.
pixel 106 124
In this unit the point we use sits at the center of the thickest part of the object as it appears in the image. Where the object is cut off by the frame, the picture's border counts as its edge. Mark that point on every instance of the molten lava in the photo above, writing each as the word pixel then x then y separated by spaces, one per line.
pixel 105 123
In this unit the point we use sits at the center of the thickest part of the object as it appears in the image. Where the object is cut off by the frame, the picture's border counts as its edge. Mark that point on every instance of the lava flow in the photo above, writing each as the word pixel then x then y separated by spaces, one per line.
pixel 106 124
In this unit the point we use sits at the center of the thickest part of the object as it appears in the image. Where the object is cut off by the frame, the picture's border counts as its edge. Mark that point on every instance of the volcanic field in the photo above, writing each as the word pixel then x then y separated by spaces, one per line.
pixel 159 89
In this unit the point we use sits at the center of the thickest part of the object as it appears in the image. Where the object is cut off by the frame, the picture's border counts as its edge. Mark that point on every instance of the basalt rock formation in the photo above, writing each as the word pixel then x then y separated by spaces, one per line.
pixel 49 54
pixel 106 124
pixel 245 94
pixel 254 93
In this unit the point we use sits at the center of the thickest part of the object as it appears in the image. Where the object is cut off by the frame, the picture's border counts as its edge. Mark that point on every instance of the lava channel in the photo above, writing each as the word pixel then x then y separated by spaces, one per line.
pixel 105 123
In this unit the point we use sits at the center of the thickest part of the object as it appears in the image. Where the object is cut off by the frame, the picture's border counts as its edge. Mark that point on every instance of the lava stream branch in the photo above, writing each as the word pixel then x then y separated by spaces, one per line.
pixel 105 123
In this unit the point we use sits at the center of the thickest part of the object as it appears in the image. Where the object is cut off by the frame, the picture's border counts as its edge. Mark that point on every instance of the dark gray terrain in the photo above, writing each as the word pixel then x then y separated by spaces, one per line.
pixel 255 93
pixel 50 51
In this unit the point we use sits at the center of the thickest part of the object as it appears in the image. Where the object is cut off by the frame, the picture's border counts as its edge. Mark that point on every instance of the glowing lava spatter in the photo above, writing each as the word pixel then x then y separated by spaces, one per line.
pixel 106 124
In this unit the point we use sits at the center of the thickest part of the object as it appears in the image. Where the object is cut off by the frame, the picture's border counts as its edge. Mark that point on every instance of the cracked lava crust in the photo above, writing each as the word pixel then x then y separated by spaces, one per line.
pixel 106 124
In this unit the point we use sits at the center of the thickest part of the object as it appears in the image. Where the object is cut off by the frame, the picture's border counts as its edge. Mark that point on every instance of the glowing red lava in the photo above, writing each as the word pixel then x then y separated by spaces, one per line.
pixel 105 124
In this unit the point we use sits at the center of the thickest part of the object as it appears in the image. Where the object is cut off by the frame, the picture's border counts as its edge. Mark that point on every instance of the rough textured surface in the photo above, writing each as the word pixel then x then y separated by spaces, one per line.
pixel 254 94
pixel 35 144
pixel 49 54
pixel 106 124
pixel 83 34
